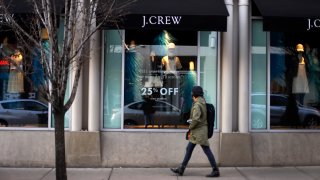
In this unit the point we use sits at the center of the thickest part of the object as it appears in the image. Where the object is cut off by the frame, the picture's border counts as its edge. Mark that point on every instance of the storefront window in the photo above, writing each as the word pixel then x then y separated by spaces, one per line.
pixel 159 70
pixel 67 116
pixel 112 79
pixel 22 102
pixel 209 67
pixel 259 77
pixel 294 80
pixel 285 92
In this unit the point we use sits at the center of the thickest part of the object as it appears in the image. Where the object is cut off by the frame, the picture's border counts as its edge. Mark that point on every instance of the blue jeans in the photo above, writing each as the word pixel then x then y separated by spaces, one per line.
pixel 206 150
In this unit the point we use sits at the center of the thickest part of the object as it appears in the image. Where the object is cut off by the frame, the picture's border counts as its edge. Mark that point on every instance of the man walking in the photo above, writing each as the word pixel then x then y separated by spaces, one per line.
pixel 198 133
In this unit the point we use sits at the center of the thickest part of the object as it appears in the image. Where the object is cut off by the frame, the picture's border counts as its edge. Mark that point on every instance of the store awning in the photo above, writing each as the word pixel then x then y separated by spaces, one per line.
pixel 290 15
pixel 174 14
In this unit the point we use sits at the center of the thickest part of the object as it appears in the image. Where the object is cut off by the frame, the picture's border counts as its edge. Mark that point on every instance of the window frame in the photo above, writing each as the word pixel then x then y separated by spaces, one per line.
pixel 268 94
pixel 122 129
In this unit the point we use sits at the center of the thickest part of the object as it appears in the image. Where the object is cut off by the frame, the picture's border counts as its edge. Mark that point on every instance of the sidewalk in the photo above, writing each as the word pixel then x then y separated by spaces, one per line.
pixel 227 173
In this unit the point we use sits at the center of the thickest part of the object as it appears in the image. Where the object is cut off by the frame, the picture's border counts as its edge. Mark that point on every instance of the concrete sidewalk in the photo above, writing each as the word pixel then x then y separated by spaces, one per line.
pixel 227 173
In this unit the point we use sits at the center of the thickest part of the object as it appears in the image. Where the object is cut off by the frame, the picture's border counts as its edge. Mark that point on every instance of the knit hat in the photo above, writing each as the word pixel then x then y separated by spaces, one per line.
pixel 197 91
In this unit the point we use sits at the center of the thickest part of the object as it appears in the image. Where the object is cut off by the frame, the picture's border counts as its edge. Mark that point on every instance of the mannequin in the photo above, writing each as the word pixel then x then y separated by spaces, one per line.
pixel 15 82
pixel 300 84
pixel 153 76
pixel 171 62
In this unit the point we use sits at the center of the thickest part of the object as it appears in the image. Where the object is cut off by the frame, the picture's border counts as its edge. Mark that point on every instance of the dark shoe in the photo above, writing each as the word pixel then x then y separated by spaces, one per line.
pixel 214 173
pixel 179 170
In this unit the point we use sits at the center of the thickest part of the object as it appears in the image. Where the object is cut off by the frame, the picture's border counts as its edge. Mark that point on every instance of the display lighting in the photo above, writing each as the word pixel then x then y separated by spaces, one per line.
pixel 191 66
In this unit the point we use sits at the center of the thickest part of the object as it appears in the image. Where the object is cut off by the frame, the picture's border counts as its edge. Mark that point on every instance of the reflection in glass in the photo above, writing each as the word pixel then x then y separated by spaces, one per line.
pixel 112 80
pixel 258 76
pixel 294 95
pixel 208 67
pixel 160 69
pixel 22 97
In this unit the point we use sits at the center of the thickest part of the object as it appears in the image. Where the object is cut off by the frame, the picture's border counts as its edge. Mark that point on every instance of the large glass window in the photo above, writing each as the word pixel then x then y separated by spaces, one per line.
pixel 22 102
pixel 285 80
pixel 67 117
pixel 112 79
pixel 259 77
pixel 159 70
pixel 294 80
pixel 208 53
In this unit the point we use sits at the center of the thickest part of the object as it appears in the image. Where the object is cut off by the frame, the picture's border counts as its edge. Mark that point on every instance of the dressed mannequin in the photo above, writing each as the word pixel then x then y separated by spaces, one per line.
pixel 15 82
pixel 153 76
pixel 171 62
pixel 297 86
pixel 300 84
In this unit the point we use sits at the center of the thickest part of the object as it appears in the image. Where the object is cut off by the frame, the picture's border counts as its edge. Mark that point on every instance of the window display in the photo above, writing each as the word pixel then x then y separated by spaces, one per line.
pixel 22 103
pixel 156 70
pixel 294 97
pixel 160 70
pixel 291 99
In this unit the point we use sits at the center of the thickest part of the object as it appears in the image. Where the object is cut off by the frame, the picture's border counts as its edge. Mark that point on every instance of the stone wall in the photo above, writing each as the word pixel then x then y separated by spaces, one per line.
pixel 150 149
pixel 37 149
pixel 157 149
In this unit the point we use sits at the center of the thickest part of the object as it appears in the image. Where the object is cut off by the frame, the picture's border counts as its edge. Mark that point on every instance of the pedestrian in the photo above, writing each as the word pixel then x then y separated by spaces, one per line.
pixel 198 134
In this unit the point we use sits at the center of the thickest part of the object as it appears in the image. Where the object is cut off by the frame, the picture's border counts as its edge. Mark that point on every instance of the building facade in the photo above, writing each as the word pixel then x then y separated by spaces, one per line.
pixel 256 61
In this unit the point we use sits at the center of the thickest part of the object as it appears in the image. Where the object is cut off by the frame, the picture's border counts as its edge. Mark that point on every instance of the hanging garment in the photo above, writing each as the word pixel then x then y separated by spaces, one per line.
pixel 300 82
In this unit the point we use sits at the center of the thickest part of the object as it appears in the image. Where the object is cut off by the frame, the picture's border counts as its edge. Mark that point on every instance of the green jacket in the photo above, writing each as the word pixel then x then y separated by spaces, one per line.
pixel 199 125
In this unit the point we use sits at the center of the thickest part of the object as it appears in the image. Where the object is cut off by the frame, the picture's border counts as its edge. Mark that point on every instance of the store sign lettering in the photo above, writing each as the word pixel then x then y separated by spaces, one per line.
pixel 313 24
pixel 160 20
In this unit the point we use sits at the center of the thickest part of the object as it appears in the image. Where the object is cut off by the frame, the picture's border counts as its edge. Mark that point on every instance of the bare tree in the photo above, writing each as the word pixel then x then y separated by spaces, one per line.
pixel 60 61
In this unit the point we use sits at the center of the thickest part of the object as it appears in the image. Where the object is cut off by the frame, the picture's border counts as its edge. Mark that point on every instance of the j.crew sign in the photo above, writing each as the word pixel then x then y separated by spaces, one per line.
pixel 313 24
pixel 160 20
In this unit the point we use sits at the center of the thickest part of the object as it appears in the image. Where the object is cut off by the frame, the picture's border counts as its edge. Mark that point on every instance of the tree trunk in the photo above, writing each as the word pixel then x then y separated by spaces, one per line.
pixel 61 171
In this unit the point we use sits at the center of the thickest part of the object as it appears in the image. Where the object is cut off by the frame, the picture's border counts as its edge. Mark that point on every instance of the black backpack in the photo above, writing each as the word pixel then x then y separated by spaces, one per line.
pixel 210 119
